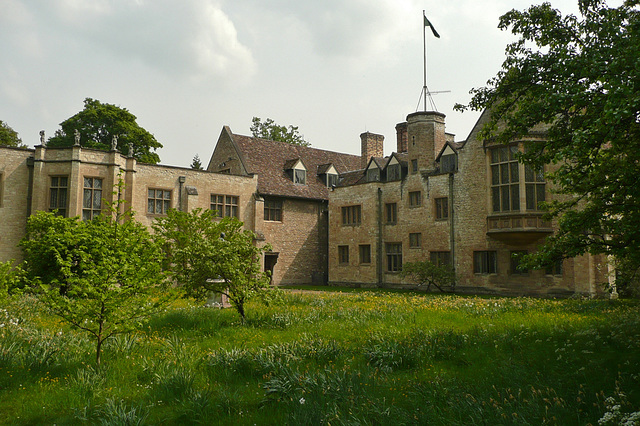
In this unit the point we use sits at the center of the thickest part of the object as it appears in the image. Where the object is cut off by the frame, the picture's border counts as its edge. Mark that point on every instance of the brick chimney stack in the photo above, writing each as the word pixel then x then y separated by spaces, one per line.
pixel 403 137
pixel 372 145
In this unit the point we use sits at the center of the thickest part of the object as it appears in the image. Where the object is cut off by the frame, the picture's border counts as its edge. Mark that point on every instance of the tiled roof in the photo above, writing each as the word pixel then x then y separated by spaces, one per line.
pixel 269 160
pixel 351 178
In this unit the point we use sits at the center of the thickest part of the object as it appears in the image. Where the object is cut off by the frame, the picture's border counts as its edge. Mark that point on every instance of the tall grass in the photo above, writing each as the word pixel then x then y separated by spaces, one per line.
pixel 319 358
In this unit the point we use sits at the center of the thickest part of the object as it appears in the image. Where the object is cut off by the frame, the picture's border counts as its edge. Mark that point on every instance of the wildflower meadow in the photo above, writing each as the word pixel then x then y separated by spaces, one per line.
pixel 334 358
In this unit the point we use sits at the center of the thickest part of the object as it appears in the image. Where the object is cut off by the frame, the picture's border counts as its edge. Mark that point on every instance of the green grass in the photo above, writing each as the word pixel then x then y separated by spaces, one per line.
pixel 359 357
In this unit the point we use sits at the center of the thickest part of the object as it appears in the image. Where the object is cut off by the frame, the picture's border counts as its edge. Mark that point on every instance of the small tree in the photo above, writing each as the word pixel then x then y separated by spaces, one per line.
pixel 273 131
pixel 9 137
pixel 196 164
pixel 208 255
pixel 103 274
pixel 427 273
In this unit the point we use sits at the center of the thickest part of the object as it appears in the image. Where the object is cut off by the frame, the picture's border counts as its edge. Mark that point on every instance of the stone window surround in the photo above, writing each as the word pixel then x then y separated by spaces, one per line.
pixel 365 254
pixel 166 201
pixel 485 262
pixel 415 240
pixel 415 199
pixel 273 210
pixel 441 205
pixel 351 215
pixel 393 253
pixel 225 205
pixel 60 192
pixel 343 255
pixel 90 186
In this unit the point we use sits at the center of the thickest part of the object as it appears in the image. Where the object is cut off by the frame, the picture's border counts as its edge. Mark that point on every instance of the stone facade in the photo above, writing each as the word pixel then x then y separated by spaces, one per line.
pixel 32 179
pixel 330 217
pixel 441 208
pixel 291 214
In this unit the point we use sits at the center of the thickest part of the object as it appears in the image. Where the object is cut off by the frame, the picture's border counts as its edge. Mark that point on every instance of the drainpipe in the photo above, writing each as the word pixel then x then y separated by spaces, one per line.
pixel 181 180
pixel 452 238
pixel 379 248
pixel 30 164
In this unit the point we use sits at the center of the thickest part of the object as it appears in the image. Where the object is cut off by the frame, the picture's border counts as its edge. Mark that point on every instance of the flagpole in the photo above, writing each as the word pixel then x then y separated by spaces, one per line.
pixel 424 44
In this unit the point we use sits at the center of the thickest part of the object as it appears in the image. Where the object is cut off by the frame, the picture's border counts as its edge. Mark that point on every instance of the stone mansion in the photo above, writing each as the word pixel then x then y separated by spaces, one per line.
pixel 331 218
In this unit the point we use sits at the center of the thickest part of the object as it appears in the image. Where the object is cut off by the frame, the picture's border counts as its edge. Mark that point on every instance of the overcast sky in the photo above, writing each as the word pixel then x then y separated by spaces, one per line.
pixel 185 68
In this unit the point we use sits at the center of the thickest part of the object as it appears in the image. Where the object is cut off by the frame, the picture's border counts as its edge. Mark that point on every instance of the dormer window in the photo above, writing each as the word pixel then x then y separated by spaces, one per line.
pixel 328 174
pixel 373 172
pixel 448 160
pixel 296 171
pixel 299 176
pixel 394 171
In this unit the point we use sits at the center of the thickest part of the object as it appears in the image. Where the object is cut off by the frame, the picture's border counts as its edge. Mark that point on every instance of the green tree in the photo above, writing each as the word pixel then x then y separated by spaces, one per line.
pixel 426 273
pixel 272 131
pixel 9 137
pixel 98 123
pixel 107 272
pixel 206 255
pixel 578 77
pixel 196 164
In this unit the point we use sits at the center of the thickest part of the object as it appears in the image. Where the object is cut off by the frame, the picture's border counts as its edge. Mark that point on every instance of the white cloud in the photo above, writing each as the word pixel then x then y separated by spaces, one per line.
pixel 190 38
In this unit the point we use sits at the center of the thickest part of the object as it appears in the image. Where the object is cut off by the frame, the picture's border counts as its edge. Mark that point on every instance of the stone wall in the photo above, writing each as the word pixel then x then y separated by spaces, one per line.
pixel 300 240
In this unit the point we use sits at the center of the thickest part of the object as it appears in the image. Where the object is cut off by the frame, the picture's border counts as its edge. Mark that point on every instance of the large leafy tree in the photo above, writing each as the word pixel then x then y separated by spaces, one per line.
pixel 98 123
pixel 101 276
pixel 9 137
pixel 275 132
pixel 207 255
pixel 578 76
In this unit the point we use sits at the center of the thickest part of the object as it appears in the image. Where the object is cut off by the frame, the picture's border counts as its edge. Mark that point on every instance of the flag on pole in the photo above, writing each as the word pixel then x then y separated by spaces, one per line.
pixel 427 23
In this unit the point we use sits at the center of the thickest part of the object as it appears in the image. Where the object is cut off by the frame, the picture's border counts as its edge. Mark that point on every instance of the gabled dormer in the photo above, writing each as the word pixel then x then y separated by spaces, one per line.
pixel 328 174
pixel 448 158
pixel 394 168
pixel 297 171
pixel 373 171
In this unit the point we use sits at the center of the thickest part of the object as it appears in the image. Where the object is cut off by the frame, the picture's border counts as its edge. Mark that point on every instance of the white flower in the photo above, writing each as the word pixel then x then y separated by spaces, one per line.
pixel 302 400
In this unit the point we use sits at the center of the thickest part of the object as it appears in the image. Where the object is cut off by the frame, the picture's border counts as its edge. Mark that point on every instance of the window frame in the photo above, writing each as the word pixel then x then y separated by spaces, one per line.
pixel 228 207
pixel 415 240
pixel 393 252
pixel 440 258
pixel 364 251
pixel 485 262
pixel 441 208
pixel 59 190
pixel 556 270
pixel 343 255
pixel 391 213
pixel 415 199
pixel 166 202
pixel 299 176
pixel 273 210
pixel 505 179
pixel 351 215
pixel 373 174
pixel 394 172
pixel 91 210
pixel 332 180
pixel 514 187
pixel 449 163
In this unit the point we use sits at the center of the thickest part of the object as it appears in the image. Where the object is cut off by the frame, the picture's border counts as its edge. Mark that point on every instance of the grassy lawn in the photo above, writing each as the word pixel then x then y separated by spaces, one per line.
pixel 362 357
